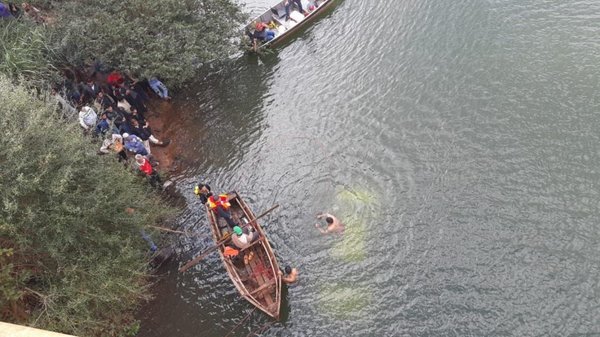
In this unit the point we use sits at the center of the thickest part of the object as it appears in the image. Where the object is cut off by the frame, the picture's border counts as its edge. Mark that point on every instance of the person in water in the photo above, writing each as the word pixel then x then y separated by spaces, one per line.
pixel 291 275
pixel 334 225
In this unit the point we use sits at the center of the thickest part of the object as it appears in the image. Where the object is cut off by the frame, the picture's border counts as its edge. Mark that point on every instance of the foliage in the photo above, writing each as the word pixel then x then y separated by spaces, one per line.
pixel 66 242
pixel 24 51
pixel 150 38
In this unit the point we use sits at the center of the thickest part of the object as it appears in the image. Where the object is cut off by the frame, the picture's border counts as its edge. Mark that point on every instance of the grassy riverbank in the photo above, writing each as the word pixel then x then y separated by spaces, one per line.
pixel 71 258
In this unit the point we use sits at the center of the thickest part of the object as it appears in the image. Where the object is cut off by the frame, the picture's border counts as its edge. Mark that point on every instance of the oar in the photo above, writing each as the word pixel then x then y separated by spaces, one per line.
pixel 263 214
pixel 199 258
pixel 197 235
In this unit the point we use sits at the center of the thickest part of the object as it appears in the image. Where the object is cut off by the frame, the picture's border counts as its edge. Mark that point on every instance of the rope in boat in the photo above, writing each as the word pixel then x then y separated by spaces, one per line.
pixel 240 323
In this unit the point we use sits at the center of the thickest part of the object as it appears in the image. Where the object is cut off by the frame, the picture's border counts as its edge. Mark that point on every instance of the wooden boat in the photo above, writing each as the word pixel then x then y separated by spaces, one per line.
pixel 258 280
pixel 277 21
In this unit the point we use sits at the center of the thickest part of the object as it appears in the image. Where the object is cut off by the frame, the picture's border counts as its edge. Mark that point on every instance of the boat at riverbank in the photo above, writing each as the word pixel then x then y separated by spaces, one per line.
pixel 277 21
pixel 257 279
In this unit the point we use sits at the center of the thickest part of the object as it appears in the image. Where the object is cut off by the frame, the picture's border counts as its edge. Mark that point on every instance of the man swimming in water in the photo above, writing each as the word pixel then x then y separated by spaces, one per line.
pixel 334 225
pixel 291 275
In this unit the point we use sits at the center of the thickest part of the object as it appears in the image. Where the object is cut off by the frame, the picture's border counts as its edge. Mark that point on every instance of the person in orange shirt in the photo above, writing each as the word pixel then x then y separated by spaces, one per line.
pixel 220 206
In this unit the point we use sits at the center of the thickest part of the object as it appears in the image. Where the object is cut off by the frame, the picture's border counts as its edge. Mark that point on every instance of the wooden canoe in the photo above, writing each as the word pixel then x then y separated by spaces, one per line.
pixel 284 27
pixel 258 281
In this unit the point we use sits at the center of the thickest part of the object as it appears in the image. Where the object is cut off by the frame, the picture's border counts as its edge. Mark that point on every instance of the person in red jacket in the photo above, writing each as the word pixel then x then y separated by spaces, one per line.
pixel 145 166
pixel 220 205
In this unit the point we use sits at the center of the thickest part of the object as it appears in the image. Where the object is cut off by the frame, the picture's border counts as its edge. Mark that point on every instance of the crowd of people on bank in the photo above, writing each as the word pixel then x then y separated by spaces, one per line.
pixel 114 113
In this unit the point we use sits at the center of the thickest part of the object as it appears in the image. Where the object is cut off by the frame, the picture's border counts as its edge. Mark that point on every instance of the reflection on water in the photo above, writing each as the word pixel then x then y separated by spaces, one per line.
pixel 456 140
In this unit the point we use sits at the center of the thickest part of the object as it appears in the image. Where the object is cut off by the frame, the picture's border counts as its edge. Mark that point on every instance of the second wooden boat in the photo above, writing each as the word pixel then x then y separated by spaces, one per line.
pixel 257 279
pixel 283 26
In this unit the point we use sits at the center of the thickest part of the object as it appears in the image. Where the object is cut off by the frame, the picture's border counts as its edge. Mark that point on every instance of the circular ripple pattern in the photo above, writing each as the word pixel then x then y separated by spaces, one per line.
pixel 457 140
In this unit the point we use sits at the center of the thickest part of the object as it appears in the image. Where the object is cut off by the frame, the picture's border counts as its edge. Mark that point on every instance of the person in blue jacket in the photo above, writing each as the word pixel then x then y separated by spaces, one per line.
pixel 134 144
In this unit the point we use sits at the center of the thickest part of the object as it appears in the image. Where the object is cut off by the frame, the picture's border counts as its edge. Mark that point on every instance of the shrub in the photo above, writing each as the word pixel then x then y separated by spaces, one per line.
pixel 167 38
pixel 68 248
pixel 25 51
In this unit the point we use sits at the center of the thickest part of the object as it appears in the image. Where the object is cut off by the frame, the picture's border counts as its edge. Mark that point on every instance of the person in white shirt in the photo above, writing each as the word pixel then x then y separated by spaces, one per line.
pixel 87 118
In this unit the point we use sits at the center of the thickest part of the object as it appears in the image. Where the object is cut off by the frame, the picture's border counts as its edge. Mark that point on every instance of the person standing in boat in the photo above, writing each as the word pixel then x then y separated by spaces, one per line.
pixel 220 206
pixel 334 225
pixel 203 192
pixel 288 7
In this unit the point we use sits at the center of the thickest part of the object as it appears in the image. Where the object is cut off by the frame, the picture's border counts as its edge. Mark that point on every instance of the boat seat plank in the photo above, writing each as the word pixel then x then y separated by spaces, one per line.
pixel 259 240
pixel 252 268
pixel 265 278
pixel 263 287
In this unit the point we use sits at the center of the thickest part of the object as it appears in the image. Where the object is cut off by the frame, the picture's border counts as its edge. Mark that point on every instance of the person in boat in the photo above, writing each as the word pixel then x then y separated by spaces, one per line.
pixel 203 192
pixel 334 225
pixel 291 275
pixel 243 238
pixel 262 34
pixel 232 253
pixel 288 7
pixel 220 206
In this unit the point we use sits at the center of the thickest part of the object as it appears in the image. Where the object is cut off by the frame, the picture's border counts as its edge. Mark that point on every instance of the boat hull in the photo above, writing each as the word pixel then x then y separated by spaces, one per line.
pixel 258 279
pixel 274 15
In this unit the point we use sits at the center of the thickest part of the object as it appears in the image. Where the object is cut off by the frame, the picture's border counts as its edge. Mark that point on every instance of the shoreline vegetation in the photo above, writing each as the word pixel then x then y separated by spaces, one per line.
pixel 72 257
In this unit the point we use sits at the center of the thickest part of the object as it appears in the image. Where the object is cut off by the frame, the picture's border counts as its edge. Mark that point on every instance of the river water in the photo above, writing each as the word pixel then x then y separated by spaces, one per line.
pixel 458 142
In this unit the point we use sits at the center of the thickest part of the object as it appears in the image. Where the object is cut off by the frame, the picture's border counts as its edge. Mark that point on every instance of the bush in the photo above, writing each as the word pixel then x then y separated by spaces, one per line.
pixel 167 38
pixel 68 248
pixel 25 51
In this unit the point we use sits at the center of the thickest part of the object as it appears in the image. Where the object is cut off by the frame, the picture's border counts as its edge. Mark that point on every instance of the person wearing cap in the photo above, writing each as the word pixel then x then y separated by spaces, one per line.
pixel 243 240
pixel 220 206
pixel 261 33
pixel 334 225
pixel 291 275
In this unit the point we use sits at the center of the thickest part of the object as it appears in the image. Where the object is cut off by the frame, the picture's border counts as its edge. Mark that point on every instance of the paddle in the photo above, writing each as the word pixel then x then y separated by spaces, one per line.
pixel 198 235
pixel 200 257
pixel 263 214
pixel 227 236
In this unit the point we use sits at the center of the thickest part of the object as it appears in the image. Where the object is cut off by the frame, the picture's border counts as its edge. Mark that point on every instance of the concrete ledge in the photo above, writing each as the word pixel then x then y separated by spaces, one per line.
pixel 12 330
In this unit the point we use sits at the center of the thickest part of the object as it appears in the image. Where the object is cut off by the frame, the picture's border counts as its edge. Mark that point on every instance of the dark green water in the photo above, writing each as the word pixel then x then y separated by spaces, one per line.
pixel 459 142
